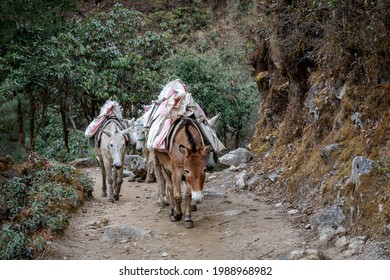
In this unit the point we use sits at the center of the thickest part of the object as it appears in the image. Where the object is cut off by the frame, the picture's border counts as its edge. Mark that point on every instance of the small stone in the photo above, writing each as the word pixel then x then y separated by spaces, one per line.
pixel 308 226
pixel 341 242
pixel 164 254
pixel 292 212
pixel 272 177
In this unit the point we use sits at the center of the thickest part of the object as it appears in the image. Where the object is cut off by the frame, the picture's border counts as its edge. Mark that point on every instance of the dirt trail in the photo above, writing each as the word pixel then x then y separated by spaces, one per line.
pixel 228 225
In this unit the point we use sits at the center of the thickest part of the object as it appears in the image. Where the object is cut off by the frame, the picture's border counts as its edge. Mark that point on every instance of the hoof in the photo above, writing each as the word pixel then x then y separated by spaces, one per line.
pixel 188 223
pixel 175 217
pixel 162 204
pixel 116 197
pixel 111 200
pixel 104 194
pixel 193 208
pixel 149 181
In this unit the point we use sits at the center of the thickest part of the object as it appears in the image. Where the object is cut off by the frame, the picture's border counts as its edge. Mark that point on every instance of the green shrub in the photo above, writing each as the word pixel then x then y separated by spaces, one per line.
pixel 35 208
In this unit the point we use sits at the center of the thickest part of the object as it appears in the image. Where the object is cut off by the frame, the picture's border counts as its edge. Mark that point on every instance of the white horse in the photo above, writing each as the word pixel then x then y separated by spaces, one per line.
pixel 111 153
pixel 140 133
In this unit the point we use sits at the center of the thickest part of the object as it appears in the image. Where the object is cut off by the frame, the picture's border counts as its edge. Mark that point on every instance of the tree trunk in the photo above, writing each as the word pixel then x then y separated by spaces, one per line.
pixel 81 144
pixel 22 135
pixel 32 122
pixel 64 127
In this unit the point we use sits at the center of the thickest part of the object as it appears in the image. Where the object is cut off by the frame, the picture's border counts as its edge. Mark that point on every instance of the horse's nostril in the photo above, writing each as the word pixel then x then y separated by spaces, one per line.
pixel 118 166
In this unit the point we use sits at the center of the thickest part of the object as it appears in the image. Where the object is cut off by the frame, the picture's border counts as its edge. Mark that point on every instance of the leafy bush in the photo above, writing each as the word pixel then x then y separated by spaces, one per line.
pixel 50 143
pixel 34 208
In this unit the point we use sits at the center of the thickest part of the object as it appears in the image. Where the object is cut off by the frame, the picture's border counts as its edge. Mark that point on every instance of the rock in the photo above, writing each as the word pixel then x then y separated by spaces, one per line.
pixel 361 165
pixel 341 92
pixel 328 223
pixel 357 119
pixel 82 163
pixel 356 245
pixel 124 232
pixel 292 212
pixel 244 181
pixel 325 233
pixel 341 242
pixel 327 151
pixel 233 168
pixel 240 183
pixel 127 173
pixel 272 177
pixel 306 254
pixel 387 229
pixel 230 213
pixel 137 165
pixel 332 216
pixel 254 180
pixel 236 157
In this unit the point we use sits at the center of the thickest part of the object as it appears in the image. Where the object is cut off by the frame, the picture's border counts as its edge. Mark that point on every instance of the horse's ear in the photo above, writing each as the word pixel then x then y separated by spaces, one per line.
pixel 213 121
pixel 127 132
pixel 206 150
pixel 184 150
pixel 130 123
pixel 108 133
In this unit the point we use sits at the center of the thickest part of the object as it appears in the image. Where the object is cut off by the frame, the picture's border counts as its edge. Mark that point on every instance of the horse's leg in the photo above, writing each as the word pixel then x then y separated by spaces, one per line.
pixel 176 184
pixel 110 181
pixel 104 177
pixel 162 200
pixel 118 183
pixel 188 223
pixel 150 174
pixel 168 185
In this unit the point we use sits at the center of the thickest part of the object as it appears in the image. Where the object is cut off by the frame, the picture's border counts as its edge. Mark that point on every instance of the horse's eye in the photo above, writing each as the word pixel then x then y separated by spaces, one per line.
pixel 186 171
pixel 204 170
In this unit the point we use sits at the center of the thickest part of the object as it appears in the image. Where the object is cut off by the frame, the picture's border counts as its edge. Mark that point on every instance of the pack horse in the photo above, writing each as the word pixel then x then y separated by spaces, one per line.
pixel 110 135
pixel 185 162
pixel 184 145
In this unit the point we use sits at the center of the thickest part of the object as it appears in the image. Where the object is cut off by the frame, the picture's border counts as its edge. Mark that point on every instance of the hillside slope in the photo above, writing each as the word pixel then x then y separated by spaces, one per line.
pixel 322 70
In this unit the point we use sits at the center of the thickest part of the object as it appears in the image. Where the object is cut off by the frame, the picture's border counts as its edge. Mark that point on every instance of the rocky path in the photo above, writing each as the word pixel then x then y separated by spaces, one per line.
pixel 232 223
pixel 228 225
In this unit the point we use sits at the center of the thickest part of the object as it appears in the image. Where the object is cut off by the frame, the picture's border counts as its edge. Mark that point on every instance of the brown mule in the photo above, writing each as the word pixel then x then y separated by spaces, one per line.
pixel 185 162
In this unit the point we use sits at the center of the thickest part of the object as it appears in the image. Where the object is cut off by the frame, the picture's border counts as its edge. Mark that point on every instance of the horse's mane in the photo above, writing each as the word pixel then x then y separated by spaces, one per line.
pixel 186 123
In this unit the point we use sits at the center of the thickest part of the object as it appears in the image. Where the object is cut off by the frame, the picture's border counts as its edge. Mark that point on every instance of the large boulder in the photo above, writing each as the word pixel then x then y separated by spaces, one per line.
pixel 236 157
pixel 137 165
pixel 361 165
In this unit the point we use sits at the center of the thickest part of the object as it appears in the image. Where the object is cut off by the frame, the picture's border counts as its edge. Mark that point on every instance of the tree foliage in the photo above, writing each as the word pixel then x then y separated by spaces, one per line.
pixel 216 81
pixel 67 70
pixel 106 54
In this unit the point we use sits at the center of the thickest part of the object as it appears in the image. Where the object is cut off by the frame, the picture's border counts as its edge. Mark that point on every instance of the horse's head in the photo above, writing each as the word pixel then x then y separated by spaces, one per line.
pixel 139 133
pixel 195 167
pixel 116 144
